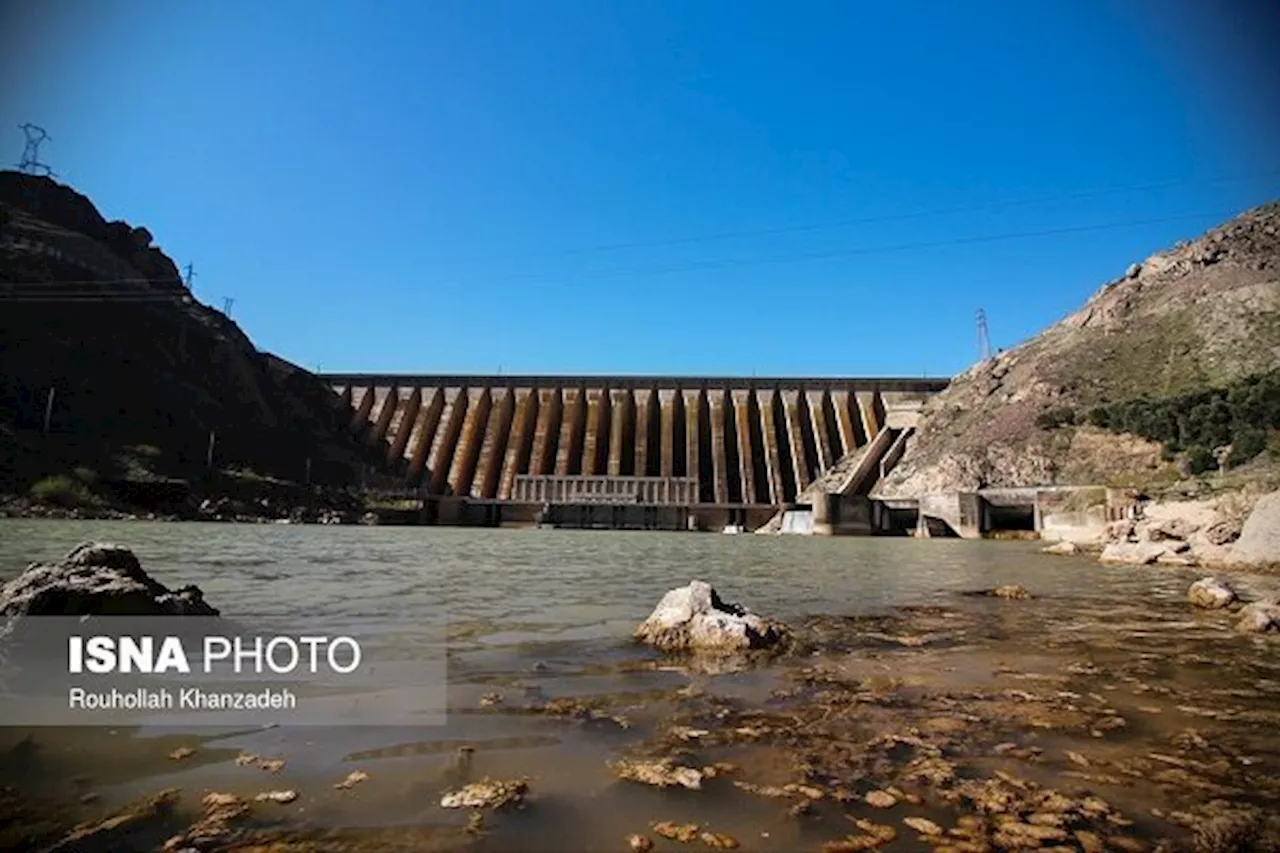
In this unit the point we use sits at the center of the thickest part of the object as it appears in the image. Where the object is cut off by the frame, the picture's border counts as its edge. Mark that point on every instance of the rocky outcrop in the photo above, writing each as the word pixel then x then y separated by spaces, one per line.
pixel 97 579
pixel 1211 594
pixel 62 206
pixel 159 373
pixel 1259 542
pixel 1144 553
pixel 693 618
pixel 1180 533
pixel 1154 329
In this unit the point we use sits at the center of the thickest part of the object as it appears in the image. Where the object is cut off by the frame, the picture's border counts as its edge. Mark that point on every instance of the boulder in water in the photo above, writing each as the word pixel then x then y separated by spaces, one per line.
pixel 1260 617
pixel 693 618
pixel 1210 593
pixel 1063 549
pixel 97 579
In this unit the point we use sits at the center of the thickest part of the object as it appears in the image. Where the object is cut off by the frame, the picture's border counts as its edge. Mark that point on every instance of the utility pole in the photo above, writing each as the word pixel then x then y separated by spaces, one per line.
pixel 984 342
pixel 48 410
pixel 30 163
pixel 189 275
pixel 227 302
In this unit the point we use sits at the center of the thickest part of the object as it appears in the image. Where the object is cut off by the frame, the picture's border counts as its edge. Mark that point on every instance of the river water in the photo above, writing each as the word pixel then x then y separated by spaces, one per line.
pixel 537 615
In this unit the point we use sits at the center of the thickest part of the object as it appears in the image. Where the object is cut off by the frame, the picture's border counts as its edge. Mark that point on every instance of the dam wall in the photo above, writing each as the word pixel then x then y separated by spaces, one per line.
pixel 746 442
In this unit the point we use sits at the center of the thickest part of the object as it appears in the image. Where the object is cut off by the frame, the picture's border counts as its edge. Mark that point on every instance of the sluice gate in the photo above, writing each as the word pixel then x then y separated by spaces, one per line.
pixel 719 441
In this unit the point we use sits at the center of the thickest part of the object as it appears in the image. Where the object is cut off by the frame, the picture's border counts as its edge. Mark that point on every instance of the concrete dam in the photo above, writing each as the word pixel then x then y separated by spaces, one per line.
pixel 742 446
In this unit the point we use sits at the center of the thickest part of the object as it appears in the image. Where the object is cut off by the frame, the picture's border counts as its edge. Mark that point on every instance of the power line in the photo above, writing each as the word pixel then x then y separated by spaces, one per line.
pixel 892 217
pixel 693 267
pixel 112 281
pixel 97 299
pixel 871 250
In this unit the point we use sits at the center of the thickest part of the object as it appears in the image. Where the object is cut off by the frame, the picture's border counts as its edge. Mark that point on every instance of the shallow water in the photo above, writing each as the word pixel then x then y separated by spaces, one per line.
pixel 538 614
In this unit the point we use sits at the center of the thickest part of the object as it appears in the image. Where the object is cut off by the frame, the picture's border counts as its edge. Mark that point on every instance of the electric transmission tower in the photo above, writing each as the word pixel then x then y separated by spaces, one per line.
pixel 31 153
pixel 984 342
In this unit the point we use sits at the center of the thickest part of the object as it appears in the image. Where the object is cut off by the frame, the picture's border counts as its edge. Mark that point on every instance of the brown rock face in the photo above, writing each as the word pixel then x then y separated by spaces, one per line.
pixel 1198 315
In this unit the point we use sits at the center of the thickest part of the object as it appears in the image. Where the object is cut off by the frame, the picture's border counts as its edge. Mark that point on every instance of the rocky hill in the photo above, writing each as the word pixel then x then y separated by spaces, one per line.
pixel 1203 315
pixel 141 372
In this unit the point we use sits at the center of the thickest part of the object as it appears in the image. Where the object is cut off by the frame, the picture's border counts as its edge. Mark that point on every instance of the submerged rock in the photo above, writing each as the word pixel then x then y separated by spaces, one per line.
pixel 487 794
pixel 97 579
pixel 924 826
pixel 683 832
pixel 661 773
pixel 694 618
pixel 355 777
pixel 113 832
pixel 1259 617
pixel 1011 591
pixel 881 799
pixel 1210 593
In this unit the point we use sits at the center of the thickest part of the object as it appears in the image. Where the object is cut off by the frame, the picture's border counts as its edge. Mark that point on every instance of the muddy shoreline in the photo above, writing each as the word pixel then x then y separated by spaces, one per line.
pixel 991 723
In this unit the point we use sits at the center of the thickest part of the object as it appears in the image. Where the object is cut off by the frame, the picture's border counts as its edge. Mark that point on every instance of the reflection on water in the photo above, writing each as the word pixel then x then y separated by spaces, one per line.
pixel 545 684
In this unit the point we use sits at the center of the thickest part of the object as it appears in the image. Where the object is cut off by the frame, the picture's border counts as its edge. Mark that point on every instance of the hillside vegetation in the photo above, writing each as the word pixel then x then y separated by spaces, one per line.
pixel 1167 371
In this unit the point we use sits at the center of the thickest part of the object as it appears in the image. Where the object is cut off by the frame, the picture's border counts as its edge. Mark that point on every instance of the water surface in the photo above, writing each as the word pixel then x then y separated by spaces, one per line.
pixel 538 614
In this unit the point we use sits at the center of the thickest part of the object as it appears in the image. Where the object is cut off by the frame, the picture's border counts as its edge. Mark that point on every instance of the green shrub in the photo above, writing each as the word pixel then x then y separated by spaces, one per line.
pixel 85 475
pixel 1200 459
pixel 1206 418
pixel 1246 444
pixel 62 491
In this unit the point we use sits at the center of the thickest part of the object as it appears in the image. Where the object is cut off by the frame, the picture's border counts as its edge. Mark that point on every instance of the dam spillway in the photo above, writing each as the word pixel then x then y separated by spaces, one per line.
pixel 728 442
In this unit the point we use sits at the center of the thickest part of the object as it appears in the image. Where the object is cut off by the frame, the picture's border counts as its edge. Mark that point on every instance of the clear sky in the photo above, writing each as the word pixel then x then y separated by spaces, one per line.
pixel 650 187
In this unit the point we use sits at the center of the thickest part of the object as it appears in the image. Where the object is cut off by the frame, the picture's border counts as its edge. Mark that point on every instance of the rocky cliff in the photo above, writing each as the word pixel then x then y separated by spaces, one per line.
pixel 1200 315
pixel 93 310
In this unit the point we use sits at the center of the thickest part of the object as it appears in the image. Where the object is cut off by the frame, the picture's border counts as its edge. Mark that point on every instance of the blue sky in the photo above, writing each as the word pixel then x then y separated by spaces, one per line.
pixel 650 187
